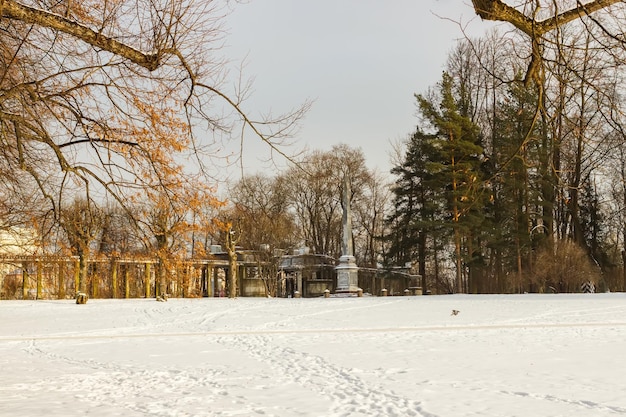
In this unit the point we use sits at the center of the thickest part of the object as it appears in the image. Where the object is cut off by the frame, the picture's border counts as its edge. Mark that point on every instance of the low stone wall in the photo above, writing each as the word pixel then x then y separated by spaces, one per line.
pixel 252 288
pixel 373 281
pixel 316 288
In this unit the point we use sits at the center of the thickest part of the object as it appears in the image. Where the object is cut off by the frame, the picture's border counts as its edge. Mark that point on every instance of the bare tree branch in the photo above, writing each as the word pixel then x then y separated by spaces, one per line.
pixel 12 9
pixel 497 10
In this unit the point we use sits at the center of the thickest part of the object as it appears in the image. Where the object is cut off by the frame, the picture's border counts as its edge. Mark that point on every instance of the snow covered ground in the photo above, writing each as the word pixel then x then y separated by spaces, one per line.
pixel 517 355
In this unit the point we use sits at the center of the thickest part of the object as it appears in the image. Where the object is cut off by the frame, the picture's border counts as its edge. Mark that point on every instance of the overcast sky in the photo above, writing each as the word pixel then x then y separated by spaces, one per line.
pixel 361 61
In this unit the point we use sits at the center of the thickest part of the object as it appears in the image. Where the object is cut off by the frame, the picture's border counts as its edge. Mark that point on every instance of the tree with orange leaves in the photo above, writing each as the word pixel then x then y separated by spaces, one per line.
pixel 108 96
pixel 82 221
pixel 168 223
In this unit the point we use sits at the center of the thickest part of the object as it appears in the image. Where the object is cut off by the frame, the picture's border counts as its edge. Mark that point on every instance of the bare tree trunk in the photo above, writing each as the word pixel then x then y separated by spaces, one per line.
pixel 624 268
pixel 160 286
pixel 623 172
pixel 459 264
pixel 232 272
pixel 82 272
pixel 422 258
pixel 520 273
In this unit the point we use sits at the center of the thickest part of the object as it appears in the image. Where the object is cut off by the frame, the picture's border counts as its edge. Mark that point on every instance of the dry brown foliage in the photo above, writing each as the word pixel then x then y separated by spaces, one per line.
pixel 563 268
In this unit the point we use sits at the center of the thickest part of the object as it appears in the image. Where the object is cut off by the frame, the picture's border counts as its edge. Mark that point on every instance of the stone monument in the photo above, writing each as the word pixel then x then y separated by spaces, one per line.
pixel 347 270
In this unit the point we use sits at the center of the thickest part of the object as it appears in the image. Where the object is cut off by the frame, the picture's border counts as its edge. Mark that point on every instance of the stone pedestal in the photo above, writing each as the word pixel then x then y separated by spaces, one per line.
pixel 347 275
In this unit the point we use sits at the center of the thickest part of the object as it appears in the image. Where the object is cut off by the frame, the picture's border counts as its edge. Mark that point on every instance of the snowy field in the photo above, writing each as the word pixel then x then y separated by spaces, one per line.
pixel 518 355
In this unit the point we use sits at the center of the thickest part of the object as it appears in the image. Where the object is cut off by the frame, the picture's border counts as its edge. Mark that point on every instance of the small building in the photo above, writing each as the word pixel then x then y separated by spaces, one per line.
pixel 252 277
pixel 14 242
pixel 18 241
pixel 309 274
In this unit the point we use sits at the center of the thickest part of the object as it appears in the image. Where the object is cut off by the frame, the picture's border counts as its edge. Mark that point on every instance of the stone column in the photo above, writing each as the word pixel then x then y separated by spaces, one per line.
pixel 347 270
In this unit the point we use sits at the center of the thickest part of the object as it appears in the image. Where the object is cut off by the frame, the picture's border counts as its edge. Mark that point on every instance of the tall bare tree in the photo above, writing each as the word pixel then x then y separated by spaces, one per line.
pixel 261 206
pixel 369 220
pixel 315 194
pixel 168 226
pixel 82 222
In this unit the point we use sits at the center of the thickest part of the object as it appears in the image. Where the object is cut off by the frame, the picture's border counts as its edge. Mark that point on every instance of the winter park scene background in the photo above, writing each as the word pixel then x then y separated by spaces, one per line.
pixel 330 208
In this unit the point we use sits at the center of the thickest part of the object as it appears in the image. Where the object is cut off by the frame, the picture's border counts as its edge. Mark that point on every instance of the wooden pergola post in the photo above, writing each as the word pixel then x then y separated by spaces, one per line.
pixel 114 278
pixel 24 280
pixel 216 289
pixel 185 279
pixel 61 278
pixel 94 279
pixel 147 279
pixel 126 281
pixel 39 280
pixel 211 280
pixel 76 276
